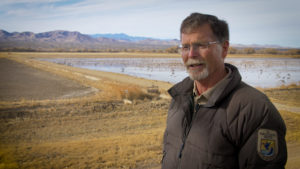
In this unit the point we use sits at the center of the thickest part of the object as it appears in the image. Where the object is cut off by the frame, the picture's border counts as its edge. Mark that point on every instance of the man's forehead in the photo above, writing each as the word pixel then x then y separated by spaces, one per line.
pixel 197 28
pixel 199 35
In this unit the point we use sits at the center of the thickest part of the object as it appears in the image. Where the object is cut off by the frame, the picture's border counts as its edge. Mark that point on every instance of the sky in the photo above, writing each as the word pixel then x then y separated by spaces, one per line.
pixel 263 22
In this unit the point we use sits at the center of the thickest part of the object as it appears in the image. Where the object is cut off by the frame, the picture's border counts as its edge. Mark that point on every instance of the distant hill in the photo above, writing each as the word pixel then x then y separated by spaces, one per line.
pixel 119 36
pixel 53 36
pixel 61 40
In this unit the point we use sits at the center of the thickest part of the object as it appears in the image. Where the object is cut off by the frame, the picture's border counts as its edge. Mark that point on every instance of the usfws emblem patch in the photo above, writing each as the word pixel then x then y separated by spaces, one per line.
pixel 267 145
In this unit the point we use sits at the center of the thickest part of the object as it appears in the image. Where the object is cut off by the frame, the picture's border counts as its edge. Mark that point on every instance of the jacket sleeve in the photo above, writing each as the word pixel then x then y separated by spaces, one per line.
pixel 261 134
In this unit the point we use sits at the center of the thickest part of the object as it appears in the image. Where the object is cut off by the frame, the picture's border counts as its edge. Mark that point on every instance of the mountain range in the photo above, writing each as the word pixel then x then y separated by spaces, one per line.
pixel 120 36
pixel 62 40
pixel 67 40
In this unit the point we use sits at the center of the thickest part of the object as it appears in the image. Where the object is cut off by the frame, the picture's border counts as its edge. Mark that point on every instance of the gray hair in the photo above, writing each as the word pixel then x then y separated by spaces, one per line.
pixel 195 20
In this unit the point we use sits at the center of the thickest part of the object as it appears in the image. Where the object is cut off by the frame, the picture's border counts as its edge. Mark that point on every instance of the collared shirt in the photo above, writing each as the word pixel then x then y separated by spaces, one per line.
pixel 203 98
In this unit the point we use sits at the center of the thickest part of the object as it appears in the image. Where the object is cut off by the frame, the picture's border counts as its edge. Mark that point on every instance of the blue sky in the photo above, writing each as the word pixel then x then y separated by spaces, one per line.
pixel 275 22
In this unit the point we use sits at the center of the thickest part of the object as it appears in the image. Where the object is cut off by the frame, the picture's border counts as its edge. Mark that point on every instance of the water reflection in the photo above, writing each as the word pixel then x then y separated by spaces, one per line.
pixel 259 72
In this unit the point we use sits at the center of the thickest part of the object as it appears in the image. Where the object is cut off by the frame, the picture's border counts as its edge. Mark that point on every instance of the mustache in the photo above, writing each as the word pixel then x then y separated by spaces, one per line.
pixel 190 62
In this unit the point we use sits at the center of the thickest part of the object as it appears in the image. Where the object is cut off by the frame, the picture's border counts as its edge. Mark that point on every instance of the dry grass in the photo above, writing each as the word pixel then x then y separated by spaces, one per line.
pixel 292 122
pixel 283 95
pixel 287 100
pixel 99 131
pixel 82 134
pixel 293 128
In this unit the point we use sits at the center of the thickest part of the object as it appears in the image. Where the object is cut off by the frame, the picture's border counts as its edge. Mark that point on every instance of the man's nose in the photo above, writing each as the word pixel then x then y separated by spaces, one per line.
pixel 193 52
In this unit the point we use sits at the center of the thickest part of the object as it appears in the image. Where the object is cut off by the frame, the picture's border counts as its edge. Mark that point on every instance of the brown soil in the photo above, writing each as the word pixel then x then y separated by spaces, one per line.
pixel 18 81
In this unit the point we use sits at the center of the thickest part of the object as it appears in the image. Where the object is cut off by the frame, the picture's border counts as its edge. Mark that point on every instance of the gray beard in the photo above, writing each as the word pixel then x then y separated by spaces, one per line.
pixel 196 75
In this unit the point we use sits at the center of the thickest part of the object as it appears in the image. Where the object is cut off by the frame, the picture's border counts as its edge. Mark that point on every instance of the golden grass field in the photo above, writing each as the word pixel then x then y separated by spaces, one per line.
pixel 99 130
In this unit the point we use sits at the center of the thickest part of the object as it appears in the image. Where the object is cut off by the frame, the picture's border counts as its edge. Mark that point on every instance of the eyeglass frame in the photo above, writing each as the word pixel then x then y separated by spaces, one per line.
pixel 197 45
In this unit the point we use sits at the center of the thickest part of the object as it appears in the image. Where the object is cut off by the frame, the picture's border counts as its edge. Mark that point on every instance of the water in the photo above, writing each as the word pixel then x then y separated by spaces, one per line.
pixel 258 72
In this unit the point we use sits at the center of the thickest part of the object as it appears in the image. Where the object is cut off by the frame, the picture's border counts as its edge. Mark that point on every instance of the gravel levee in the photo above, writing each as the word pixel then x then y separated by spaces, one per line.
pixel 18 81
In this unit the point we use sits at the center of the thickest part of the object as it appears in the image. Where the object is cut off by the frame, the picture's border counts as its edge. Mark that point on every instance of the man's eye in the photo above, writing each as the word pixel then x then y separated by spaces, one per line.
pixel 185 47
pixel 200 45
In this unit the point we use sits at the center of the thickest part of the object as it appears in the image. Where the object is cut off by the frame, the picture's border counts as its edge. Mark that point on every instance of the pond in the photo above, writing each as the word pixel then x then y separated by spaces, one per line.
pixel 258 72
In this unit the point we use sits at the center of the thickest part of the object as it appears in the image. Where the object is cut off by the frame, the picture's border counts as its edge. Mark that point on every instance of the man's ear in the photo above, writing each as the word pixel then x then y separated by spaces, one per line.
pixel 225 47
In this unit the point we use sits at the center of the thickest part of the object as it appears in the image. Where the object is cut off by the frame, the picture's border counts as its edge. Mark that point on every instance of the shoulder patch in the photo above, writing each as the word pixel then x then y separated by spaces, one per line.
pixel 267 144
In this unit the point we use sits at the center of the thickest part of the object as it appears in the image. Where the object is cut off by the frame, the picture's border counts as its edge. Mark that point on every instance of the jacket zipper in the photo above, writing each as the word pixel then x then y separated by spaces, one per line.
pixel 187 133
pixel 183 144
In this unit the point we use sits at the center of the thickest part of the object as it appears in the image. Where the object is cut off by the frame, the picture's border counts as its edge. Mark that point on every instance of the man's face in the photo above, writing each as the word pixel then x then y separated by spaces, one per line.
pixel 201 59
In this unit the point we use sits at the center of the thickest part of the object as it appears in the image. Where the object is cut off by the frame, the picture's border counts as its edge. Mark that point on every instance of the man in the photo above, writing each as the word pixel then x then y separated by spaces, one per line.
pixel 215 120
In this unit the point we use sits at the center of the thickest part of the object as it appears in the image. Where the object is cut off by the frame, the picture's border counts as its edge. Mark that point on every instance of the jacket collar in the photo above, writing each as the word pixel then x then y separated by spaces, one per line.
pixel 185 87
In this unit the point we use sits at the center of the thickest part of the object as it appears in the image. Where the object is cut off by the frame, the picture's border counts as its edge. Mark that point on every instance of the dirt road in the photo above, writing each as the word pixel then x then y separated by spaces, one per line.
pixel 18 81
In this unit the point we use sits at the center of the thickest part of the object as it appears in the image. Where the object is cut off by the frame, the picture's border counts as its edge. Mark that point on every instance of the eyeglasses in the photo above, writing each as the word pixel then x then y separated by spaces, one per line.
pixel 186 48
